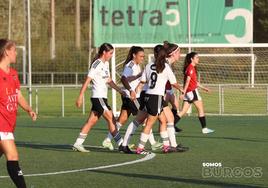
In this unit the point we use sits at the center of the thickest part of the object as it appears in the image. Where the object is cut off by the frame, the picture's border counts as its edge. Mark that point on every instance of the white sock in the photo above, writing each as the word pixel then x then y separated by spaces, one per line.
pixel 109 135
pixel 118 139
pixel 171 134
pixel 130 131
pixel 143 139
pixel 151 138
pixel 164 136
pixel 80 139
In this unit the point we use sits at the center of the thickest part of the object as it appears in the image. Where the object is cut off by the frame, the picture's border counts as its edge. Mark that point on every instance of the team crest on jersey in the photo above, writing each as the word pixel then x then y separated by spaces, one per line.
pixel 14 77
pixel 4 78
pixel 106 74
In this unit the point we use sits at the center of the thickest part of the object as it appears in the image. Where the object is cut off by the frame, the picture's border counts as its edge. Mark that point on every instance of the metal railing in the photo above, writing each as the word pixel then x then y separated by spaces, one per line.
pixel 225 99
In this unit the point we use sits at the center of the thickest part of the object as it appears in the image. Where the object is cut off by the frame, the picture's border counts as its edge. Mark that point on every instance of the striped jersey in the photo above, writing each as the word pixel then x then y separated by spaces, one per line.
pixel 99 73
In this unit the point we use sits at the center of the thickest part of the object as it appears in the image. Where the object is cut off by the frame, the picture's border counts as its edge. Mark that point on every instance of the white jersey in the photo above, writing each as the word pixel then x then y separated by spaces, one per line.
pixel 157 81
pixel 100 73
pixel 132 69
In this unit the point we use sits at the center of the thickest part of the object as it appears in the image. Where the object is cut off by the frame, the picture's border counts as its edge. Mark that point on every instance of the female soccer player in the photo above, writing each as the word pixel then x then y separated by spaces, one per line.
pixel 172 55
pixel 156 75
pixel 191 94
pixel 10 97
pixel 99 75
pixel 170 96
pixel 131 102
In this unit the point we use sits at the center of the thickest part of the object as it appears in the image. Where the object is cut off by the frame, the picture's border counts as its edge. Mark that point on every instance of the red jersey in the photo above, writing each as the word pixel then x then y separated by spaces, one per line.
pixel 190 71
pixel 9 89
pixel 168 86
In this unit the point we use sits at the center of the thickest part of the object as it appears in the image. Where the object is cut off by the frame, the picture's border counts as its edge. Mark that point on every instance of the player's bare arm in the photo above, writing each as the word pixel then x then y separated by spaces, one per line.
pixel 203 87
pixel 26 107
pixel 125 81
pixel 79 100
pixel 114 86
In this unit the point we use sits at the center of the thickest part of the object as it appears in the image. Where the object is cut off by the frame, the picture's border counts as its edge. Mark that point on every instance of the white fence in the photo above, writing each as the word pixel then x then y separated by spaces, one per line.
pixel 225 99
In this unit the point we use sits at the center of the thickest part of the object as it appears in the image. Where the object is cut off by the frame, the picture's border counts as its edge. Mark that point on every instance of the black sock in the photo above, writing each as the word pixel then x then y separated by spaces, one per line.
pixel 15 174
pixel 203 121
pixel 176 117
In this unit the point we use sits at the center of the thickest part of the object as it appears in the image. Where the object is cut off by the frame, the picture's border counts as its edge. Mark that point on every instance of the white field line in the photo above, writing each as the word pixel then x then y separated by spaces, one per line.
pixel 146 158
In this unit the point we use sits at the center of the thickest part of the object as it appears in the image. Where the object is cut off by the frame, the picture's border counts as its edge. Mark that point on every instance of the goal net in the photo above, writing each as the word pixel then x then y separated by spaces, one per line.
pixel 236 75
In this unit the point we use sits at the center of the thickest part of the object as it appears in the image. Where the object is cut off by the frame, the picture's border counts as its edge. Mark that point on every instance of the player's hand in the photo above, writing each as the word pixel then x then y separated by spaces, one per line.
pixel 33 115
pixel 132 95
pixel 207 90
pixel 79 102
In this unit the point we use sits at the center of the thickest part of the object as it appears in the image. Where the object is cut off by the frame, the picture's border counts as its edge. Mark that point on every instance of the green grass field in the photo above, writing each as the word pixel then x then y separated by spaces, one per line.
pixel 44 147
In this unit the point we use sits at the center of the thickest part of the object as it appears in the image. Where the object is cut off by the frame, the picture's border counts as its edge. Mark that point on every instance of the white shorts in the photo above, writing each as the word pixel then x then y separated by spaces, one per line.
pixel 170 91
pixel 192 96
pixel 6 136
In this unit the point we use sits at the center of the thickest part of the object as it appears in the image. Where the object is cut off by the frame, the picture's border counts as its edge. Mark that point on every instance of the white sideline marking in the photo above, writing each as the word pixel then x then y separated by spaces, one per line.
pixel 146 158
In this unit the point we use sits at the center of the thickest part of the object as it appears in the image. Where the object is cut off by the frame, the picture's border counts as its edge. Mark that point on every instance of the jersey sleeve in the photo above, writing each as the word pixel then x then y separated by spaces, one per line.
pixel 128 71
pixel 16 78
pixel 93 70
pixel 17 82
pixel 189 72
pixel 143 76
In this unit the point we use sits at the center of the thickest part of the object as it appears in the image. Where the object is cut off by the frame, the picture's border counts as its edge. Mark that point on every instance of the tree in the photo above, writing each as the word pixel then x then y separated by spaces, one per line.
pixel 260 21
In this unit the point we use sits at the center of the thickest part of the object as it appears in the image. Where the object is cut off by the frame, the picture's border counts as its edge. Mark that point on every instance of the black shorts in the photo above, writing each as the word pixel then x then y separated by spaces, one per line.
pixel 99 105
pixel 165 103
pixel 142 101
pixel 154 104
pixel 192 96
pixel 128 104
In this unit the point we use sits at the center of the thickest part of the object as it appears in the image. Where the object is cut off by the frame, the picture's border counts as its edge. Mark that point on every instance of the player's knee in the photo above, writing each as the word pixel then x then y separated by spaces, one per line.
pixel 122 122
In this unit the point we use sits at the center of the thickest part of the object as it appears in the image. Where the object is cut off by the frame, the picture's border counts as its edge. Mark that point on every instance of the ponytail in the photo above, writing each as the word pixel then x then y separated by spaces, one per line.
pixel 104 47
pixel 160 58
pixel 170 48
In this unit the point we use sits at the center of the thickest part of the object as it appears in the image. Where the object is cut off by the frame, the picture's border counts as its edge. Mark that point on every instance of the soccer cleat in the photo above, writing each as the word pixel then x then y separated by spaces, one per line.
pixel 166 149
pixel 142 151
pixel 156 146
pixel 125 149
pixel 177 130
pixel 179 148
pixel 108 144
pixel 207 131
pixel 80 148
